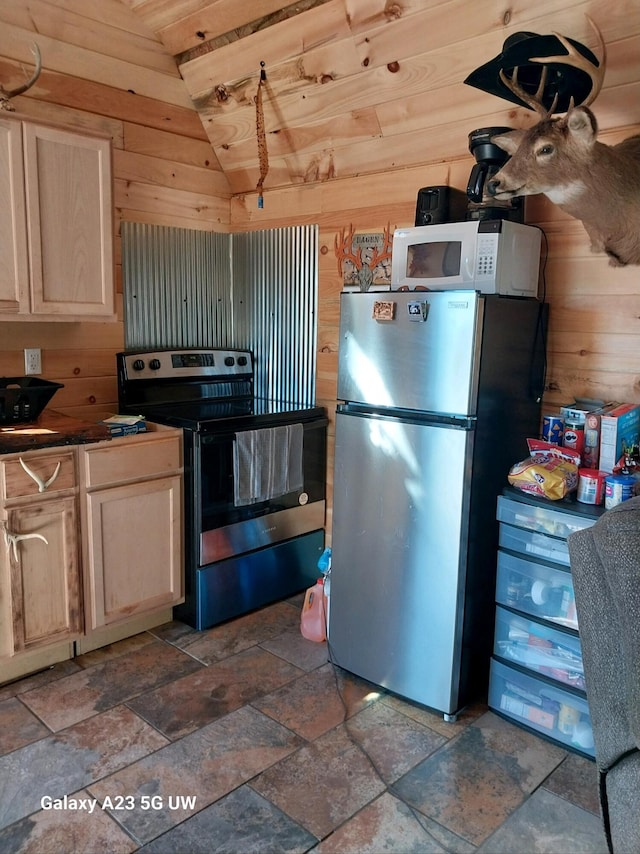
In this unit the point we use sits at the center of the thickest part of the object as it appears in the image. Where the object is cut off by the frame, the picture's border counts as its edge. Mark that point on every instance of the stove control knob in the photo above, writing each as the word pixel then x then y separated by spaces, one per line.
pixel 229 361
pixel 138 365
pixel 242 360
pixel 154 364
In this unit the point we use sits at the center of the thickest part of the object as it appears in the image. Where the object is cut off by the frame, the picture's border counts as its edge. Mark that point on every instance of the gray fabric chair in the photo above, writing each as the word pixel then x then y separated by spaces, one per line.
pixel 605 565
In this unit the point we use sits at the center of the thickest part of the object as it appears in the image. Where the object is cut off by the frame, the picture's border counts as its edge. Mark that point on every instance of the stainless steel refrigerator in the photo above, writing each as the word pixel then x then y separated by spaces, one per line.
pixel 440 391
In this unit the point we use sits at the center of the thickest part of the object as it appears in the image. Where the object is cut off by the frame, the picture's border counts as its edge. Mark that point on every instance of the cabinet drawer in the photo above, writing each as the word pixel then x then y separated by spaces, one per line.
pixel 125 460
pixel 550 710
pixel 532 543
pixel 547 520
pixel 47 474
pixel 536 589
pixel 539 647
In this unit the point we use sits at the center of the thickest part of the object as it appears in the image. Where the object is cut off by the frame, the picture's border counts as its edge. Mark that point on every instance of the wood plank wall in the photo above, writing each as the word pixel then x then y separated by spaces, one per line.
pixel 101 70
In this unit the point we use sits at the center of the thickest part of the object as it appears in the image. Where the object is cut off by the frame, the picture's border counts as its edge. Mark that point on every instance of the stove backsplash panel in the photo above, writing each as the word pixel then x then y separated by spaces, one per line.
pixel 255 290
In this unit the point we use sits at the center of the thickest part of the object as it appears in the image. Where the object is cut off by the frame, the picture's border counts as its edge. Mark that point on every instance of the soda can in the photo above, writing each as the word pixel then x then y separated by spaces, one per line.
pixel 552 429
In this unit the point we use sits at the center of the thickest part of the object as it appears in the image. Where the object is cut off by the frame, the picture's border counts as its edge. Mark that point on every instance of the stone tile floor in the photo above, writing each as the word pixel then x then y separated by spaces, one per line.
pixel 245 739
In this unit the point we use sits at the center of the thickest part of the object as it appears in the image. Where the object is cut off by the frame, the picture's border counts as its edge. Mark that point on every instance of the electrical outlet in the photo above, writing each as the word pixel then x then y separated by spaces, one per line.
pixel 33 361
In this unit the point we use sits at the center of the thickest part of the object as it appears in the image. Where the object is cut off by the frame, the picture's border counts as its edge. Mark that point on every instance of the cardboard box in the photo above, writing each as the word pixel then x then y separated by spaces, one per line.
pixel 619 433
pixel 528 711
pixel 589 413
pixel 592 429
pixel 125 425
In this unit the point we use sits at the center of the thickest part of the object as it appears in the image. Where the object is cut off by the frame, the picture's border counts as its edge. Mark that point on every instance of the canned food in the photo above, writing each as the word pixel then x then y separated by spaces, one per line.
pixel 574 435
pixel 552 429
pixel 591 486
pixel 617 488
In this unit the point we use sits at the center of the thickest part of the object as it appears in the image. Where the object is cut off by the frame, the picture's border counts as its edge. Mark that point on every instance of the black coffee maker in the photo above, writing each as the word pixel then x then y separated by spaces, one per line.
pixel 490 158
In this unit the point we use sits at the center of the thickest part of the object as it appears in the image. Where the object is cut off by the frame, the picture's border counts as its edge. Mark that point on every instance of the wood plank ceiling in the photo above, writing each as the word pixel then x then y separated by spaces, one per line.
pixel 364 86
pixel 354 87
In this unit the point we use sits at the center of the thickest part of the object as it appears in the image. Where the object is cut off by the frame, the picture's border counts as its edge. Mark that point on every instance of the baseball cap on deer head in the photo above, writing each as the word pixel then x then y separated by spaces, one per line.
pixel 526 55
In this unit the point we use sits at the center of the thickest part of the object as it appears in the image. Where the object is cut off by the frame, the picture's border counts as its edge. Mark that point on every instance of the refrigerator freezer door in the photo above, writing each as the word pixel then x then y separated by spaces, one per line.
pixel 424 357
pixel 399 555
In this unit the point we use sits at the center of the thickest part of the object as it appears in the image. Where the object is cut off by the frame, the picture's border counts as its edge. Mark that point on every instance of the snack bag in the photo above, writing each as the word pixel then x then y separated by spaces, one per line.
pixel 549 471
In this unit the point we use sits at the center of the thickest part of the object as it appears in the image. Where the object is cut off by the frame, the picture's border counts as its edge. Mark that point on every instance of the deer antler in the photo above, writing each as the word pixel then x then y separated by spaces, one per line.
pixel 384 254
pixel 533 101
pixel 5 96
pixel 43 484
pixel 579 61
pixel 572 58
pixel 344 249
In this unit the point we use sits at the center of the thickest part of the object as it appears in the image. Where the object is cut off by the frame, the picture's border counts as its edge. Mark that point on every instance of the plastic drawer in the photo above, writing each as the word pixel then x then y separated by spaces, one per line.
pixel 550 710
pixel 546 520
pixel 539 647
pixel 531 543
pixel 536 589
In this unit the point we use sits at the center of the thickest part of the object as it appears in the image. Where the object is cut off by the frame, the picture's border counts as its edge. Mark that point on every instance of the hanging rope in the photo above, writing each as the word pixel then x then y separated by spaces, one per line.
pixel 263 154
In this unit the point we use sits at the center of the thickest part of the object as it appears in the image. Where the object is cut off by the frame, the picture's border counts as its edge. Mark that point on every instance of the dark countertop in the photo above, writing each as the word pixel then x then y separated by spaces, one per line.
pixel 50 430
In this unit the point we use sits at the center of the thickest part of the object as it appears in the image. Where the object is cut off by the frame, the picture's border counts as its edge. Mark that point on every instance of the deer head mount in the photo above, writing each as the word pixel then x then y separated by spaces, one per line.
pixel 7 94
pixel 561 158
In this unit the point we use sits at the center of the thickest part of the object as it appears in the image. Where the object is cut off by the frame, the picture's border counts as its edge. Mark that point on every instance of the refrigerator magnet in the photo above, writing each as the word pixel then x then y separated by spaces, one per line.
pixel 417 310
pixel 384 310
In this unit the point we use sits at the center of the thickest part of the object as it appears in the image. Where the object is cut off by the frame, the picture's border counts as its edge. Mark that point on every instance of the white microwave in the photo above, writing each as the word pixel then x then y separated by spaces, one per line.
pixel 489 256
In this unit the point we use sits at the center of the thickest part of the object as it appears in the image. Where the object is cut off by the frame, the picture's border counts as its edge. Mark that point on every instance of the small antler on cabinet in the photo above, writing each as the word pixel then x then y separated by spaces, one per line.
pixel 6 95
pixel 43 485
pixel 11 540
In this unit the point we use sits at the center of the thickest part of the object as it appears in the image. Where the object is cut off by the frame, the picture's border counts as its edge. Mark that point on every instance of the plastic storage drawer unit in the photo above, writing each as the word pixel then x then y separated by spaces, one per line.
pixel 542 706
pixel 537 589
pixel 539 647
pixel 534 544
pixel 546 520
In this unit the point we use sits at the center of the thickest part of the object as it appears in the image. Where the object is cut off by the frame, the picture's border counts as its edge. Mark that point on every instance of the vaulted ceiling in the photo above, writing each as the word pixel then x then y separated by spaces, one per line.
pixel 356 86
pixel 352 87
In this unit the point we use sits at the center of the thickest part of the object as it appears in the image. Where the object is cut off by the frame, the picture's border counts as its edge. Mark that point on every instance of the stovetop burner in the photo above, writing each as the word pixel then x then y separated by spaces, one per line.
pixel 207 416
pixel 199 390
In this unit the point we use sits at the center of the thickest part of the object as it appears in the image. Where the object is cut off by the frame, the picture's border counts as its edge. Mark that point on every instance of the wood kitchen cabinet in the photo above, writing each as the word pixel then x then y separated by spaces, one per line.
pixel 131 497
pixel 90 546
pixel 40 583
pixel 56 224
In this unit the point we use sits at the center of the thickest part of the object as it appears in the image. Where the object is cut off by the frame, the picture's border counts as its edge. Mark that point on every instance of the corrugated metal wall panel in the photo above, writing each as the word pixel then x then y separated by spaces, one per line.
pixel 275 289
pixel 177 287
pixel 256 290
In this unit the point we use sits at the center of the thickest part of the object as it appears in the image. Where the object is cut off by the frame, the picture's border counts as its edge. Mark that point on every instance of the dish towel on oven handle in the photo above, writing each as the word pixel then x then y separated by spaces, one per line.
pixel 267 463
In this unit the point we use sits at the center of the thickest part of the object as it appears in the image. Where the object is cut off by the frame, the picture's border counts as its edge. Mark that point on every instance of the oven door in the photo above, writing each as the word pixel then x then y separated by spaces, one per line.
pixel 226 529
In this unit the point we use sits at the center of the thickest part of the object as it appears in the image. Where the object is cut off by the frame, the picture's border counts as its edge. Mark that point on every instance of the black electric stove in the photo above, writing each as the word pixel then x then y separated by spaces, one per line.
pixel 239 555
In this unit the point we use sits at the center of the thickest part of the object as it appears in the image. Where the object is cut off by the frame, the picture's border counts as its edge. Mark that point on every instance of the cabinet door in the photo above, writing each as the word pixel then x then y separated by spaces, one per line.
pixel 41 541
pixel 69 210
pixel 14 265
pixel 134 550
